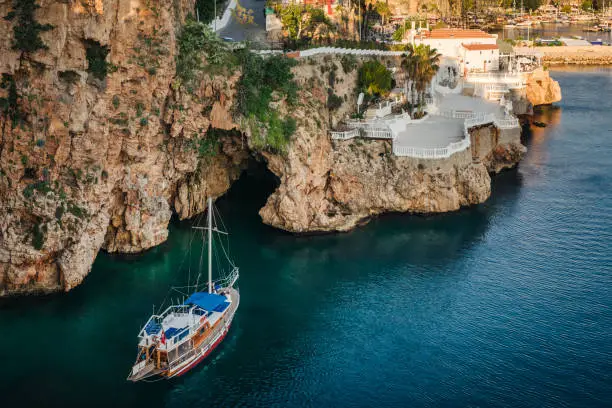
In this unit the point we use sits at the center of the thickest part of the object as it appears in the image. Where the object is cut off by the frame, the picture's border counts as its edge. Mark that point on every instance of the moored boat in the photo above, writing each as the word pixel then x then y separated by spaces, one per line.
pixel 186 332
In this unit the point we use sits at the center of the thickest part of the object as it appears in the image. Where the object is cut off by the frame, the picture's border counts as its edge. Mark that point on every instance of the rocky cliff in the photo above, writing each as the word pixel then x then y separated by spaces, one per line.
pixel 97 145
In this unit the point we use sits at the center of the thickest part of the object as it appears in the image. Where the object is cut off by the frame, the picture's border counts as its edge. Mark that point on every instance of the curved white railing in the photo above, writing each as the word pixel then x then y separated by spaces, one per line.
pixel 348 134
pixel 507 123
pixel 432 153
pixel 335 50
pixel 378 132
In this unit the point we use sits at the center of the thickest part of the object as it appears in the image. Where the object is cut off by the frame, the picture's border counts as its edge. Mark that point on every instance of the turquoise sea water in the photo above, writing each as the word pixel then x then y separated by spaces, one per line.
pixel 506 304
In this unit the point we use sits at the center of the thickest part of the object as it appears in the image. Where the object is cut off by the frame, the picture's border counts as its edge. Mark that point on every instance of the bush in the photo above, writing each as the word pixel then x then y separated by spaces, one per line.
pixel 375 78
pixel 96 59
pixel 26 29
pixel 9 105
pixel 349 63
pixel 333 101
pixel 195 42
pixel 261 79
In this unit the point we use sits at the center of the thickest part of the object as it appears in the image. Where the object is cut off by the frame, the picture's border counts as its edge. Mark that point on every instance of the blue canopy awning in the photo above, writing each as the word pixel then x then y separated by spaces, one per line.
pixel 207 301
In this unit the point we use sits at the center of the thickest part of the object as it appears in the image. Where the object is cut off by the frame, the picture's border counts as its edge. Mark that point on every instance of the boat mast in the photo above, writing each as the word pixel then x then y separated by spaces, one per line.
pixel 209 245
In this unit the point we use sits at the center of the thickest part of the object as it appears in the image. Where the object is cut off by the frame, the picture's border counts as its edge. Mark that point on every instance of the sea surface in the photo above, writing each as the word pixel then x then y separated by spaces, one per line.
pixel 505 304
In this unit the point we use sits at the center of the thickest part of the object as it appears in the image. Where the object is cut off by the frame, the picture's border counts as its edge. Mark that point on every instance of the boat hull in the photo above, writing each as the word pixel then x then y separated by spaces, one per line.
pixel 198 359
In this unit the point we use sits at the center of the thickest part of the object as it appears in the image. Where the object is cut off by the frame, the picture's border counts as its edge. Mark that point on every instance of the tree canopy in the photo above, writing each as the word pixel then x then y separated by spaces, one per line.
pixel 374 78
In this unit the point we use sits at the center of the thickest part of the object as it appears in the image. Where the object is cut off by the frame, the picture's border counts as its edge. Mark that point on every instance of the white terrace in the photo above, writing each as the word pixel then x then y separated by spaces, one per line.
pixel 443 132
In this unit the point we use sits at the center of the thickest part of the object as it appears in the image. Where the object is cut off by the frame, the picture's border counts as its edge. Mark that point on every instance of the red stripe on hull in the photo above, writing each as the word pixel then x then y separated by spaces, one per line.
pixel 203 356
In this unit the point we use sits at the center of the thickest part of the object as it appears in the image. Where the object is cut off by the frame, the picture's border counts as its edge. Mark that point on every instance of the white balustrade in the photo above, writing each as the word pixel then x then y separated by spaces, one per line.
pixel 345 135
pixel 507 123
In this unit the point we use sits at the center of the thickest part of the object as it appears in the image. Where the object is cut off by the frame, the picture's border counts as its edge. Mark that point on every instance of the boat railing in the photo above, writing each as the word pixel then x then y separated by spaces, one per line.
pixel 230 279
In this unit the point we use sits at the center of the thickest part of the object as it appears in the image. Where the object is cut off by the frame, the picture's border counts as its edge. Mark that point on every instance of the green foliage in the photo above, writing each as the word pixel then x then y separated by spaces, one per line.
pixel 40 142
pixel 96 59
pixel 196 42
pixel 421 64
pixel 139 109
pixel 333 101
pixel 9 106
pixel 349 63
pixel 26 29
pixel 42 187
pixel 262 80
pixel 303 20
pixel 144 121
pixel 586 5
pixel 75 210
pixel 150 50
pixel 206 9
pixel 116 101
pixel 374 78
pixel 208 146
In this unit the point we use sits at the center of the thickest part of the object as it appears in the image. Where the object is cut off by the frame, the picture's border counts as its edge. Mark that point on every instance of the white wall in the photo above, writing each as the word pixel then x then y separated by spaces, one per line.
pixel 480 60
pixel 451 47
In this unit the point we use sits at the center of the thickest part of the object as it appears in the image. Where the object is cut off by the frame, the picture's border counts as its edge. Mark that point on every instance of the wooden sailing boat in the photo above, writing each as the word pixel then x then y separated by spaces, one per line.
pixel 176 340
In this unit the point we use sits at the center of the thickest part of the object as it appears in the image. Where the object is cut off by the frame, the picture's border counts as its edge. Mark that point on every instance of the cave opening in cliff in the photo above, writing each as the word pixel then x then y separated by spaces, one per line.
pixel 255 185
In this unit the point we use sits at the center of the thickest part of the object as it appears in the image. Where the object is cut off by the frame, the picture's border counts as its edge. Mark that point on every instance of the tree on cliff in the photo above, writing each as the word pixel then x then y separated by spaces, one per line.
pixel 26 29
pixel 302 20
pixel 374 78
pixel 421 64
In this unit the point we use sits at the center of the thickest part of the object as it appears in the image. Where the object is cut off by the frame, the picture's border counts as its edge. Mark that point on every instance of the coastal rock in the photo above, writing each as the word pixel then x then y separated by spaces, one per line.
pixel 542 89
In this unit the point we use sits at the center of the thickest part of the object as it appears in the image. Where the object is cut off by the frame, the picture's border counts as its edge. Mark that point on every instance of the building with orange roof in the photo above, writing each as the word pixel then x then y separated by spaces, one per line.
pixel 449 41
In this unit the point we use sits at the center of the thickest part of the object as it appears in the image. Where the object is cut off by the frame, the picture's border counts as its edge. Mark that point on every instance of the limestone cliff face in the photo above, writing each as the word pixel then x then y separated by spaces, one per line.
pixel 542 89
pixel 96 162
pixel 333 186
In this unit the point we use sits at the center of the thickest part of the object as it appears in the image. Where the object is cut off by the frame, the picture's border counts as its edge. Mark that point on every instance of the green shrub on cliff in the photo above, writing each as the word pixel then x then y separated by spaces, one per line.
pixel 26 29
pixel 263 81
pixel 9 105
pixel 374 78
pixel 96 59
pixel 200 50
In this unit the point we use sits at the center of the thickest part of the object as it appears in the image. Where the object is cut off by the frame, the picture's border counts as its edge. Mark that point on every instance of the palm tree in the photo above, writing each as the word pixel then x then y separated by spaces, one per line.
pixel 421 63
pixel 410 65
pixel 428 66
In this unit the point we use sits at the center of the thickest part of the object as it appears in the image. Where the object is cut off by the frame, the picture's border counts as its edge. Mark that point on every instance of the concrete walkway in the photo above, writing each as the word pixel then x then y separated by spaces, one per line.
pixel 431 132
pixel 460 103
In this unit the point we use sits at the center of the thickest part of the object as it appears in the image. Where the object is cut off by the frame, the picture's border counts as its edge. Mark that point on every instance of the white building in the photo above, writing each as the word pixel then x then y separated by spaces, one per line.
pixel 449 41
pixel 479 58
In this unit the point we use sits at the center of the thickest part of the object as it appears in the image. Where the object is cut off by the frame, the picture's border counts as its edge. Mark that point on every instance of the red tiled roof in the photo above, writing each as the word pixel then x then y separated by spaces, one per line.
pixel 458 33
pixel 480 47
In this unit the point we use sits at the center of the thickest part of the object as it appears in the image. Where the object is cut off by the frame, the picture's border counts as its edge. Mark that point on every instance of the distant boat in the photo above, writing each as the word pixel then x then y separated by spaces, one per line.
pixel 185 333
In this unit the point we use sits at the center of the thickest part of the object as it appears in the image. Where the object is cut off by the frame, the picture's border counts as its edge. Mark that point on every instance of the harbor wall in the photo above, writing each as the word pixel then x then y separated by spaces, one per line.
pixel 574 55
